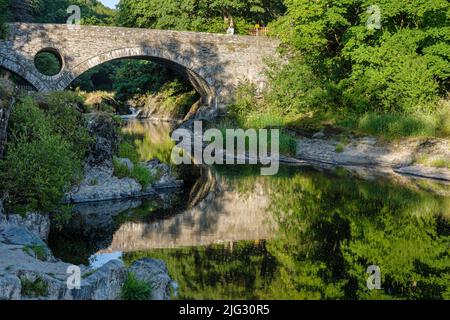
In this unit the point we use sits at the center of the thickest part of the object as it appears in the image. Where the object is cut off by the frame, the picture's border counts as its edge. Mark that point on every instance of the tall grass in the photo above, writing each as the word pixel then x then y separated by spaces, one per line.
pixel 394 126
pixel 135 289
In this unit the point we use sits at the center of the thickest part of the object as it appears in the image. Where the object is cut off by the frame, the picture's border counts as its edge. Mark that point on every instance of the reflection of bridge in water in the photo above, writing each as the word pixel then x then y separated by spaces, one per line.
pixel 225 215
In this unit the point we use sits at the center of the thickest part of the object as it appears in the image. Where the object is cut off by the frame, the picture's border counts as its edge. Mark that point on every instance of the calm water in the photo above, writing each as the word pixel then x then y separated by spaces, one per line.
pixel 303 234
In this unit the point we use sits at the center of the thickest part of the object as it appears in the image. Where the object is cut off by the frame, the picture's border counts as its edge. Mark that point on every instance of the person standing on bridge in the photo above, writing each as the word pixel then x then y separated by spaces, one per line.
pixel 230 30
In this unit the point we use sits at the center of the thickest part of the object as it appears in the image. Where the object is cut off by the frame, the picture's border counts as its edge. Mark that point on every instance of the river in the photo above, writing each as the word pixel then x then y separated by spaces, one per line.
pixel 305 233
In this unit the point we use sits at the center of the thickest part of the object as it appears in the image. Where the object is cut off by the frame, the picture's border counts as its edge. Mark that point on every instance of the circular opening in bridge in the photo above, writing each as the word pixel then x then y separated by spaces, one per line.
pixel 48 62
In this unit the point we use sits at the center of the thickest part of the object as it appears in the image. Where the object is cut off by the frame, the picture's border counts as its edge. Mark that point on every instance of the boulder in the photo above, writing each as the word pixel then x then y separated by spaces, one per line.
pixel 21 236
pixel 10 287
pixel 36 223
pixel 103 129
pixel 155 273
pixel 104 284
pixel 166 179
pixel 99 184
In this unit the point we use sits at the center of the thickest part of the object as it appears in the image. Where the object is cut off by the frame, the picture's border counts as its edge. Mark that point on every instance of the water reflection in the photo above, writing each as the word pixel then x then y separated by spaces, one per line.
pixel 151 138
pixel 303 234
pixel 329 228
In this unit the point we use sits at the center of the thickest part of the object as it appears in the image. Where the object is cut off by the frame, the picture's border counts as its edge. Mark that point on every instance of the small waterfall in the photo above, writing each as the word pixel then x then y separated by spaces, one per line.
pixel 134 114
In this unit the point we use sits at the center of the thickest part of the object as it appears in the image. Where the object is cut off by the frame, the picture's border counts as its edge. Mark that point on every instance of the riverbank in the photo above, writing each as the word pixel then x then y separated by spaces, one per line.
pixel 29 271
pixel 418 157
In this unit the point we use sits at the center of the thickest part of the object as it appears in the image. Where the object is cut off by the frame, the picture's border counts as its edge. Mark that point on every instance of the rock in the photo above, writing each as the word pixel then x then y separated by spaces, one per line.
pixel 2 214
pixel 19 235
pixel 103 128
pixel 104 284
pixel 36 223
pixel 166 179
pixel 426 172
pixel 319 135
pixel 10 287
pixel 359 152
pixel 155 273
pixel 99 184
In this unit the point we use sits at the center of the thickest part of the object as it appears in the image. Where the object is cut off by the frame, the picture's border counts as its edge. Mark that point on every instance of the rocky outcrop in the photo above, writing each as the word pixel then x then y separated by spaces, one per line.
pixel 155 274
pixel 100 184
pixel 369 152
pixel 28 270
pixel 9 287
pixel 103 129
pixel 166 178
pixel 425 172
pixel 36 223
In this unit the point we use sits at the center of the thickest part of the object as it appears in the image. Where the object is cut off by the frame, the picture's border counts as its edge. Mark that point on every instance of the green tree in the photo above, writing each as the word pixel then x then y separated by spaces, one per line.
pixel 400 67
pixel 197 15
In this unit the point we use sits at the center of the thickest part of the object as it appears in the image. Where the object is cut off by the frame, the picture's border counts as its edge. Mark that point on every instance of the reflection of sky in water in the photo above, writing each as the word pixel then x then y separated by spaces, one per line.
pixel 100 259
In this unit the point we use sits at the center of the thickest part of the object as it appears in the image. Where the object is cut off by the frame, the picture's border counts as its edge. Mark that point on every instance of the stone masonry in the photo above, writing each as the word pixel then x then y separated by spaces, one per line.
pixel 214 63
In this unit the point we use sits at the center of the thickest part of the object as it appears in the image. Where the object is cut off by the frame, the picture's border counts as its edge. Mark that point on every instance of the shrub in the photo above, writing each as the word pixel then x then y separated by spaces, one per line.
pixel 127 150
pixel 142 175
pixel 44 152
pixel 65 110
pixel 135 289
pixel 47 63
pixel 37 173
pixel 120 169
pixel 36 288
pixel 336 63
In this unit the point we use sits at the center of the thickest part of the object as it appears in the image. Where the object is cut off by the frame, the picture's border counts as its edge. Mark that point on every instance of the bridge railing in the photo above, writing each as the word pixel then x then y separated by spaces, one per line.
pixel 261 31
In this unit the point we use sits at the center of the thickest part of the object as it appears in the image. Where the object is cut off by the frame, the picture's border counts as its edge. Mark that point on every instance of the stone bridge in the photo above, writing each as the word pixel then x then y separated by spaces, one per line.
pixel 213 63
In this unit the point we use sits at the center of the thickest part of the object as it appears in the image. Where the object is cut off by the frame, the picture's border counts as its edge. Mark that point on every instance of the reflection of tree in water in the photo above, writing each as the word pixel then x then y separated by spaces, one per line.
pixel 152 139
pixel 219 271
pixel 330 229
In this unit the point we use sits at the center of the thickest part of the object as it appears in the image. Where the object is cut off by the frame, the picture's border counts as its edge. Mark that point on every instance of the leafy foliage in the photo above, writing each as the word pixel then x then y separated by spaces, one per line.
pixel 47 63
pixel 342 65
pixel 55 11
pixel 198 15
pixel 44 152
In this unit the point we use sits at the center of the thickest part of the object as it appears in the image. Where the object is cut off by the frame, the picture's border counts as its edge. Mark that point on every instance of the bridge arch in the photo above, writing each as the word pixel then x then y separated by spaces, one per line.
pixel 197 76
pixel 22 71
